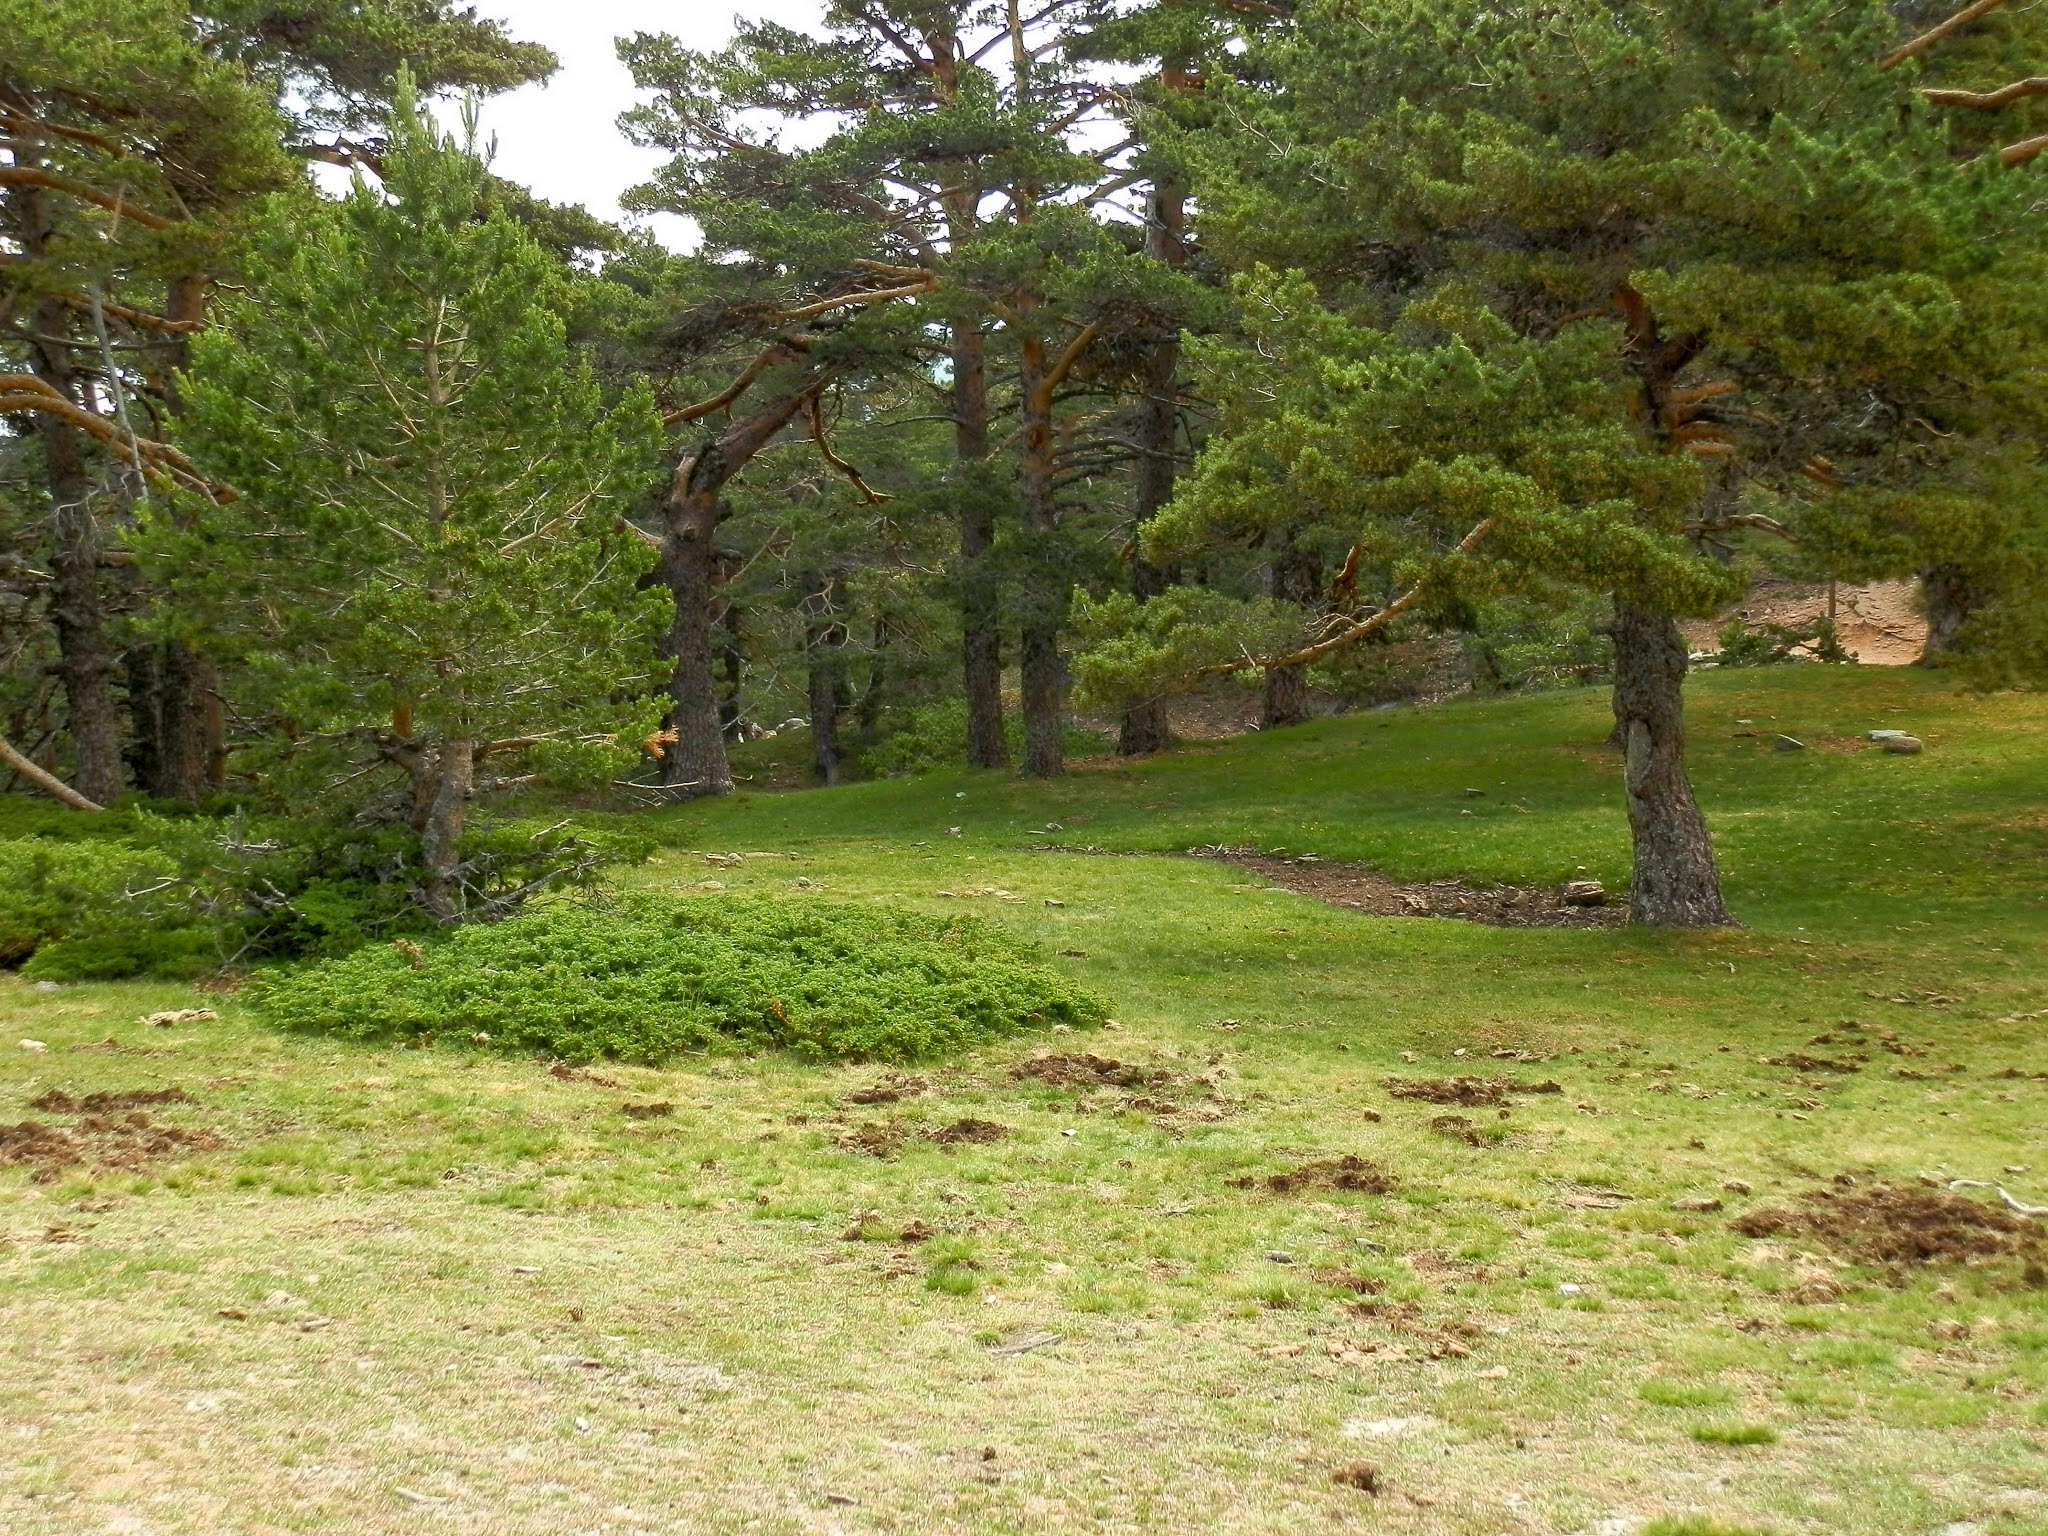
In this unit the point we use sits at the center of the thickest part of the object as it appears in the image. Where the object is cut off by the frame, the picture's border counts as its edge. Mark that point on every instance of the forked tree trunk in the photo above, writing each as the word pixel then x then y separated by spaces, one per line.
pixel 981 632
pixel 1951 595
pixel 1677 882
pixel 688 566
pixel 446 812
pixel 1297 578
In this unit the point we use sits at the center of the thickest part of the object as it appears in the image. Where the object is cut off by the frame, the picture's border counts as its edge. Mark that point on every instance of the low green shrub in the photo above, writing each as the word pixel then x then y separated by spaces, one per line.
pixel 655 978
pixel 137 892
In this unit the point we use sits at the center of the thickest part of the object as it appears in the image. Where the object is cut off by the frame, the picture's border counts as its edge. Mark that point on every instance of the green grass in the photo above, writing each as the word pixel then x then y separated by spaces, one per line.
pixel 472 1290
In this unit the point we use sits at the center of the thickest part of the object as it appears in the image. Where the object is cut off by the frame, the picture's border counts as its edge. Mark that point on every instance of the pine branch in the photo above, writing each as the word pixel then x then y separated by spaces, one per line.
pixel 1354 631
pixel 1989 101
pixel 114 203
pixel 873 497
pixel 2022 152
pixel 43 779
pixel 1926 40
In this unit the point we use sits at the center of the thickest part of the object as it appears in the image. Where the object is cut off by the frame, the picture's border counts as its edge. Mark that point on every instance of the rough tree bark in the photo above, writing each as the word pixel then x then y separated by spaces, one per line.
pixel 1043 682
pixel 688 566
pixel 1145 727
pixel 1952 595
pixel 86 658
pixel 441 822
pixel 980 596
pixel 1297 577
pixel 1677 882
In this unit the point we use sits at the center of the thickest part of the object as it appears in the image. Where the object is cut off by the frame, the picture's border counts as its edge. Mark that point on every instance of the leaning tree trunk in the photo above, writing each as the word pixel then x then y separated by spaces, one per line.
pixel 980 595
pixel 688 566
pixel 1951 596
pixel 1145 728
pixel 444 814
pixel 1677 882
pixel 1043 679
pixel 1297 578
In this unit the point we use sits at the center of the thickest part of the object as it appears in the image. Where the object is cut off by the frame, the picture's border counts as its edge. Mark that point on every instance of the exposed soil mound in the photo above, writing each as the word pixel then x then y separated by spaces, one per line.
pixel 1900 1225
pixel 1472 1092
pixel 890 1088
pixel 1090 1072
pixel 876 1138
pixel 1346 1173
pixel 58 1102
pixel 1882 624
pixel 128 1143
pixel 969 1132
pixel 1359 889
pixel 1460 1128
pixel 1800 1062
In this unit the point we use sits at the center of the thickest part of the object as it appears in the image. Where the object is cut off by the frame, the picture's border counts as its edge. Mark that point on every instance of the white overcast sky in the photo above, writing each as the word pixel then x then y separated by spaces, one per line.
pixel 562 138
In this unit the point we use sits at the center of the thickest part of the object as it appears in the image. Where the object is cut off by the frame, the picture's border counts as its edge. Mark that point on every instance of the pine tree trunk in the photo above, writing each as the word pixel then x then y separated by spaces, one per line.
pixel 1951 596
pixel 1297 577
pixel 1677 882
pixel 733 656
pixel 86 657
pixel 696 763
pixel 1038 660
pixel 980 597
pixel 825 665
pixel 191 743
pixel 446 812
pixel 1145 728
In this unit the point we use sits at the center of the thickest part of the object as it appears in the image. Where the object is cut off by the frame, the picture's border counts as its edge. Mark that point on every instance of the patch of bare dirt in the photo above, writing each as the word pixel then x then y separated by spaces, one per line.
pixel 877 1138
pixel 1798 1061
pixel 1882 624
pixel 110 1143
pixel 1363 890
pixel 1084 1071
pixel 1463 1128
pixel 1471 1092
pixel 890 1088
pixel 1901 1225
pixel 1345 1173
pixel 657 1111
pixel 969 1132
pixel 58 1102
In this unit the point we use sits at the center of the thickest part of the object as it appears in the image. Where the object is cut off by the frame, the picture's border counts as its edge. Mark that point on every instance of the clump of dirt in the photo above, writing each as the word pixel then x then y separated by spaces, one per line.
pixel 1446 1340
pixel 1461 1128
pixel 1085 1071
pixel 969 1132
pixel 127 1144
pixel 568 1074
pixel 890 1088
pixel 877 1138
pixel 1799 1062
pixel 58 1102
pixel 1471 1092
pixel 1360 889
pixel 1362 1475
pixel 660 1111
pixel 1900 1225
pixel 1345 1173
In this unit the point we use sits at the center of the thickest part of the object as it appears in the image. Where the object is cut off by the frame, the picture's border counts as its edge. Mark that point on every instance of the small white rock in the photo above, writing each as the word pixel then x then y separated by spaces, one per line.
pixel 1568 1289
pixel 32 1045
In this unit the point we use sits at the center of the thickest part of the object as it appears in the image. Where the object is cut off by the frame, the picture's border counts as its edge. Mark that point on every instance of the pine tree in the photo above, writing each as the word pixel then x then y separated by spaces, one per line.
pixel 427 567
pixel 1730 194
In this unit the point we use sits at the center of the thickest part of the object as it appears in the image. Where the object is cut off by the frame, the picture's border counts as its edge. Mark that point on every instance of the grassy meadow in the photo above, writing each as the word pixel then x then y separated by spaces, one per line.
pixel 1053 1285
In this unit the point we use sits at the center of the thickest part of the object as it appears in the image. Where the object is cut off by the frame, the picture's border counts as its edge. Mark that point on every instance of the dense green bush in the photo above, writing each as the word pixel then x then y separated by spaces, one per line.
pixel 136 892
pixel 50 889
pixel 655 978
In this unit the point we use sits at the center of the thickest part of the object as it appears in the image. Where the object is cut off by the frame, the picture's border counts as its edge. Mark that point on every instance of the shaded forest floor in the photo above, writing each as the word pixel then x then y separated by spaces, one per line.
pixel 1545 1230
